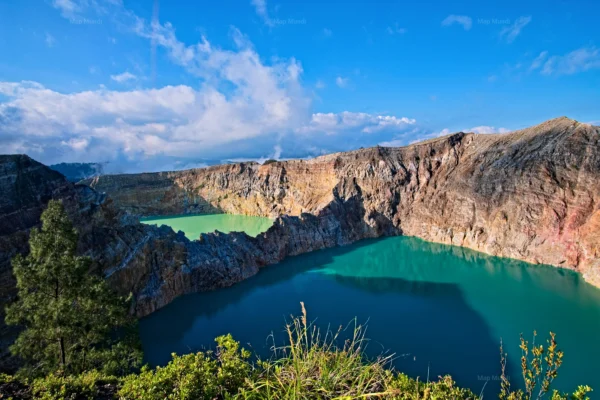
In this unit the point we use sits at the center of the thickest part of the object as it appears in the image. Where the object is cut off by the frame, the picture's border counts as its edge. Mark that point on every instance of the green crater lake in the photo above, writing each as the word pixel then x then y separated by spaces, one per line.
pixel 194 225
pixel 441 309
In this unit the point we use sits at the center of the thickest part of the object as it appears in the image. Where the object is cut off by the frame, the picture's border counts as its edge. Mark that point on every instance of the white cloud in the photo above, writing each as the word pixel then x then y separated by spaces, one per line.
pixel 463 20
pixel 539 60
pixel 77 144
pixel 510 33
pixel 274 155
pixel 175 123
pixel 393 143
pixel 341 82
pixel 261 11
pixel 320 84
pixel 443 132
pixel 50 40
pixel 487 129
pixel 579 60
pixel 175 120
pixel 68 8
pixel 78 9
pixel 264 111
pixel 124 77
pixel 331 123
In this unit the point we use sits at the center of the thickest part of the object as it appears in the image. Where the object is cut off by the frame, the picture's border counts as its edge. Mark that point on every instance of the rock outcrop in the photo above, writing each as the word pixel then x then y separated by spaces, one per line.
pixel 533 195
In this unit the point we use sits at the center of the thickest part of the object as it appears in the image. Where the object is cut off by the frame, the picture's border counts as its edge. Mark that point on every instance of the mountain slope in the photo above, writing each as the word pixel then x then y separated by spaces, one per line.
pixel 532 194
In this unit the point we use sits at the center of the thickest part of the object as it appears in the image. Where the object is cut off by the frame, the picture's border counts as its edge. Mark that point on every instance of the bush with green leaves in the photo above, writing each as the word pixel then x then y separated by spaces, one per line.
pixel 310 366
pixel 209 375
pixel 404 387
pixel 84 386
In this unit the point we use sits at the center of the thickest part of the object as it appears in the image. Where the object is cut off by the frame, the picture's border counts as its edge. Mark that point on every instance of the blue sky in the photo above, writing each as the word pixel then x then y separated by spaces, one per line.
pixel 171 84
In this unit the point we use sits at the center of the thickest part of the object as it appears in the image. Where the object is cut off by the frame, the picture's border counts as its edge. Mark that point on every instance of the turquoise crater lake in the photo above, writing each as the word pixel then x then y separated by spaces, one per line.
pixel 441 309
pixel 194 225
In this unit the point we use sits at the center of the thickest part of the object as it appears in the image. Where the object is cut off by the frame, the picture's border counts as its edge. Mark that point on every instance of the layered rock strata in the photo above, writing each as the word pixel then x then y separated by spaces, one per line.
pixel 532 194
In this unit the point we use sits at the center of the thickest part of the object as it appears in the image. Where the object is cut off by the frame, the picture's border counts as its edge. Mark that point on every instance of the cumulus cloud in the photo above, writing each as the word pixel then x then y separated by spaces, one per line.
pixel 124 77
pixel 463 20
pixel 264 111
pixel 510 33
pixel 174 123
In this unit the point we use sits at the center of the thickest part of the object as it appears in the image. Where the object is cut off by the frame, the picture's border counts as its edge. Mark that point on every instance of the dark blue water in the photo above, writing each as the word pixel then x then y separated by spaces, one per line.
pixel 440 309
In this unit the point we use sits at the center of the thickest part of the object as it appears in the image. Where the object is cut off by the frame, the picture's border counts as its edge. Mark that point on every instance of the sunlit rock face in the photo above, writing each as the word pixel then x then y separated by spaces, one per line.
pixel 533 195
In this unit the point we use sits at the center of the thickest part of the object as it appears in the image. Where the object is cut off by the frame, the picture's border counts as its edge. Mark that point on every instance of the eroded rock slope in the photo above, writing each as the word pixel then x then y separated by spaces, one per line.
pixel 531 194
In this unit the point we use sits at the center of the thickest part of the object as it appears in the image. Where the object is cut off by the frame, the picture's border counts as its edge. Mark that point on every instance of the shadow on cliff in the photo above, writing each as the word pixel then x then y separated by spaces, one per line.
pixel 429 325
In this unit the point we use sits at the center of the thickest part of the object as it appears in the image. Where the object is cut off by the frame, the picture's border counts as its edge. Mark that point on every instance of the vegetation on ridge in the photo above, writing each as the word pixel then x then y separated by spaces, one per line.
pixel 69 316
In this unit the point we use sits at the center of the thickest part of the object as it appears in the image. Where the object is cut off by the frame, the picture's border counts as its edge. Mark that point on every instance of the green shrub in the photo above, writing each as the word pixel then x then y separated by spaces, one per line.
pixel 193 376
pixel 403 387
pixel 84 386
pixel 310 366
pixel 5 378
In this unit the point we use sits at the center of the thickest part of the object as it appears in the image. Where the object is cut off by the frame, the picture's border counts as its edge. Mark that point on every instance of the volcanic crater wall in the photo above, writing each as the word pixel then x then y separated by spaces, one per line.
pixel 532 195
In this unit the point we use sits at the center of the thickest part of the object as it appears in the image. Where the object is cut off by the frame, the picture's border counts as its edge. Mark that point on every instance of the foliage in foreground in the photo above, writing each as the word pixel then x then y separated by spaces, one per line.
pixel 310 366
pixel 69 315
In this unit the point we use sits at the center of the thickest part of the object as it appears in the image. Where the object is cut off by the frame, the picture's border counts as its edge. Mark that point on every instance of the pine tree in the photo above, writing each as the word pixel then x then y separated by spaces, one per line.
pixel 69 315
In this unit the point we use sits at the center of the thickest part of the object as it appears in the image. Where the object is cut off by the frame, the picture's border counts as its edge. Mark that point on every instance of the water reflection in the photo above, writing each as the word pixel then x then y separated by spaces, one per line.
pixel 443 308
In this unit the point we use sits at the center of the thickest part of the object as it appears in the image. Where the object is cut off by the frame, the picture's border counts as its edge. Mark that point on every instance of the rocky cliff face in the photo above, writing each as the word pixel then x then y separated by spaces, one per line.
pixel 531 194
